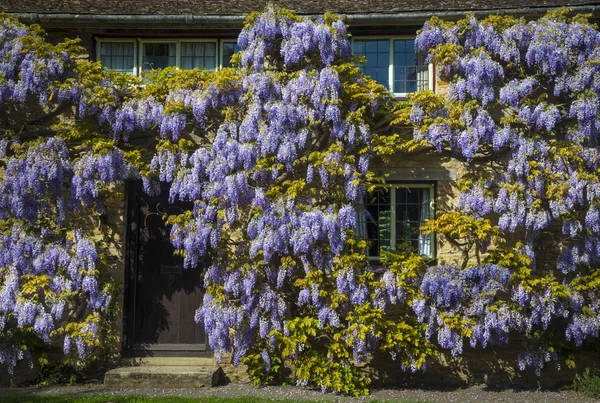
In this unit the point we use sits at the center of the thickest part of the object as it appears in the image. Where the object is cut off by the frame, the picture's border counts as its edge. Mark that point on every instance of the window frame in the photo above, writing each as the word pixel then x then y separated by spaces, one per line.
pixel 391 39
pixel 407 185
pixel 99 42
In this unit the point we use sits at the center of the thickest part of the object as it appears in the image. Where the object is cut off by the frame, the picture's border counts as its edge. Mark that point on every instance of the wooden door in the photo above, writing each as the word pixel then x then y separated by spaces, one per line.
pixel 162 295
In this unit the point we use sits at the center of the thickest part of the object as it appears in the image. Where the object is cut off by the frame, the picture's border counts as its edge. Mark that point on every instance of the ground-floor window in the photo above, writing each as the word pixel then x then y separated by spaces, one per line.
pixel 392 216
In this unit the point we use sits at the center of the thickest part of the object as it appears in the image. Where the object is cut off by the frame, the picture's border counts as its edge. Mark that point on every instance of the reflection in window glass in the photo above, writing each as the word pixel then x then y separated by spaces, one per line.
pixel 377 53
pixel 391 219
pixel 158 55
pixel 229 49
pixel 413 207
pixel 410 74
pixel 198 55
pixel 376 221
pixel 117 56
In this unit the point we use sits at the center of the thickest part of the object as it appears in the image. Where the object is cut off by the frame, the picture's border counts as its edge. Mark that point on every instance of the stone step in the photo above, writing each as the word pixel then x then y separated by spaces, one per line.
pixel 170 361
pixel 154 376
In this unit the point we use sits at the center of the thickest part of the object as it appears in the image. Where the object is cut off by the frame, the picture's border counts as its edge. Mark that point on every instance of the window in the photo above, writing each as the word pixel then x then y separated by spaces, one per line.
pixel 119 56
pixel 184 54
pixel 228 49
pixel 393 63
pixel 137 55
pixel 392 216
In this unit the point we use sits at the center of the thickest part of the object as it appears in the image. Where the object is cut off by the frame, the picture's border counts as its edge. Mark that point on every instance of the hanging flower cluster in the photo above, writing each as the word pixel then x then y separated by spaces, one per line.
pixel 51 285
pixel 523 108
pixel 274 192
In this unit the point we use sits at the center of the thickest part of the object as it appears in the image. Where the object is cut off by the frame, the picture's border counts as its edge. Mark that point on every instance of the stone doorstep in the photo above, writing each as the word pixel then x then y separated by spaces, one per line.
pixel 170 361
pixel 170 377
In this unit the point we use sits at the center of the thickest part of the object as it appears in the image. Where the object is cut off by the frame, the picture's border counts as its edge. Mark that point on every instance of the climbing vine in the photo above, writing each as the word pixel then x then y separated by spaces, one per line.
pixel 275 156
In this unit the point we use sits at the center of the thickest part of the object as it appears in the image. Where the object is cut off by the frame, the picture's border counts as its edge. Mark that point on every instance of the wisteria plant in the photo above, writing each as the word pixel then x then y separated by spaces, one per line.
pixel 275 157
pixel 521 112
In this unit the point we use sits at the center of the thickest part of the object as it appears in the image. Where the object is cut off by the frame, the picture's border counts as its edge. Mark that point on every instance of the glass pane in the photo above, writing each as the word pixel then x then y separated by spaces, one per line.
pixel 198 55
pixel 210 64
pixel 413 207
pixel 383 46
pixel 371 46
pixel 409 74
pixel 210 49
pixel 117 56
pixel 376 224
pixel 229 49
pixel 187 49
pixel 105 48
pixel 359 47
pixel 159 55
pixel 377 57
pixel 186 63
pixel 117 63
pixel 399 46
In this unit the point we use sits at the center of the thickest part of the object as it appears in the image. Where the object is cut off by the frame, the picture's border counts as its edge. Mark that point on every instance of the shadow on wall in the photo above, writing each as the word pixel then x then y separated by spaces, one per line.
pixel 496 369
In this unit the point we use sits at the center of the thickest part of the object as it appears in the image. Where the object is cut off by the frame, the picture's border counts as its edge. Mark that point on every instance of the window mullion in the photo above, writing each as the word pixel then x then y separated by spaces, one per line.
pixel 178 54
pixel 391 65
pixel 432 243
pixel 136 61
pixel 140 57
pixel 393 218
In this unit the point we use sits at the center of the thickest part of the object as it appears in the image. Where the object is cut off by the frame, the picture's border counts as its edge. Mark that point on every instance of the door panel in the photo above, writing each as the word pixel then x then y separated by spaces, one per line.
pixel 163 296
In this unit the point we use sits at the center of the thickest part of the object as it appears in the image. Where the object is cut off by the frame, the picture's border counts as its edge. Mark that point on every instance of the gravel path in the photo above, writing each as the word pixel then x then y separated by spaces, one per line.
pixel 474 394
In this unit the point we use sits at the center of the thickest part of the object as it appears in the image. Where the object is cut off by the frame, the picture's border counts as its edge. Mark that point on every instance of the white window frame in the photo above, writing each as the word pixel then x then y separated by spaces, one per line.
pixel 393 186
pixel 99 42
pixel 430 75
pixel 222 43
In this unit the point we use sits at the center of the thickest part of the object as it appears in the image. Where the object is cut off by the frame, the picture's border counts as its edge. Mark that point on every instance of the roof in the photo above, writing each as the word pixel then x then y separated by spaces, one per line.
pixel 239 7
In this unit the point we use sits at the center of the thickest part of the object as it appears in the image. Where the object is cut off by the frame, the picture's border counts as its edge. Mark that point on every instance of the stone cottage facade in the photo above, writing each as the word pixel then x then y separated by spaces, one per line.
pixel 159 297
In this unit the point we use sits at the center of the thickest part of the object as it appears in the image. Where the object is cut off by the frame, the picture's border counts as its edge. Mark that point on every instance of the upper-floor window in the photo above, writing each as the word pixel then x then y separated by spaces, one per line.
pixel 137 55
pixel 392 216
pixel 393 63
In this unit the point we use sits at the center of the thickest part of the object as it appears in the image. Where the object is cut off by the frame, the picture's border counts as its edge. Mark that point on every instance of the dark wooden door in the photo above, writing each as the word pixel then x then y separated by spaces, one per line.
pixel 162 295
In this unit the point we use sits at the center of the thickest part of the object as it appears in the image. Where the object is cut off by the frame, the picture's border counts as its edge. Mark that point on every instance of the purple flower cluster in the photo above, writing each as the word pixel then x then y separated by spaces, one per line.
pixel 25 69
pixel 30 180
pixel 293 41
pixel 527 100
pixel 70 269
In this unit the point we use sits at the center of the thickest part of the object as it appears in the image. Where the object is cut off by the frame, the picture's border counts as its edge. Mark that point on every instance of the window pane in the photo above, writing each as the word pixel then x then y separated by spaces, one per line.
pixel 410 74
pixel 117 56
pixel 198 55
pixel 377 53
pixel 158 55
pixel 374 222
pixel 413 207
pixel 229 49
